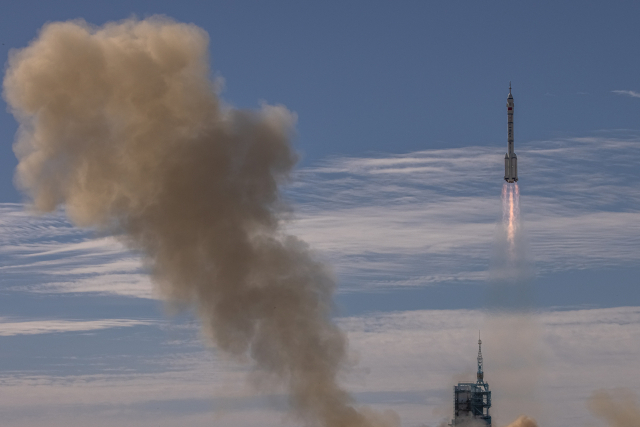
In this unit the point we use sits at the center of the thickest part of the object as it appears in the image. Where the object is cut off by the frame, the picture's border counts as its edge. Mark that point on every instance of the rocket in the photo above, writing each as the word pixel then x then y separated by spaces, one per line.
pixel 510 159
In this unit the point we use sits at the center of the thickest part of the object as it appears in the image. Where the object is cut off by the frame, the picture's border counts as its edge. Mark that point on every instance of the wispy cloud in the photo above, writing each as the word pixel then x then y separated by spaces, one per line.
pixel 392 220
pixel 407 361
pixel 9 327
pixel 431 215
pixel 384 221
pixel 627 93
pixel 46 254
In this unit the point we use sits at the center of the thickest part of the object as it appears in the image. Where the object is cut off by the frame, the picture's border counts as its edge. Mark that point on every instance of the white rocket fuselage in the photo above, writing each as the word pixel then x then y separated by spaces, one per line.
pixel 510 159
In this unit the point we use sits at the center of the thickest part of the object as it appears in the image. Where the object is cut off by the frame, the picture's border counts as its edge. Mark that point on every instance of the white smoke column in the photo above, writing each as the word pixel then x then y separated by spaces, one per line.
pixel 122 127
pixel 510 334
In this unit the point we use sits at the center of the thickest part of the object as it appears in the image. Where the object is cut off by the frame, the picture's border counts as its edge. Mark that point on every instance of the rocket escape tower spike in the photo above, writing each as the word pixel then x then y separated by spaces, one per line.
pixel 480 363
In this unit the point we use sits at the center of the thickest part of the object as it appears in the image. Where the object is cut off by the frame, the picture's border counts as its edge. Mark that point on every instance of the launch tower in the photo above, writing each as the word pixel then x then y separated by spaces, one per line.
pixel 471 401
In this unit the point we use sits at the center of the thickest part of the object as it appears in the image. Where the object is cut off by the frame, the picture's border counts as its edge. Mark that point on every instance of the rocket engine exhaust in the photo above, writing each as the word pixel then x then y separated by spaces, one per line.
pixel 511 213
pixel 121 125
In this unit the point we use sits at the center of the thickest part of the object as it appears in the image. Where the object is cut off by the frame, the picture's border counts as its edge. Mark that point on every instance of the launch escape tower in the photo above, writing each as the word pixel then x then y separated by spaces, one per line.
pixel 472 400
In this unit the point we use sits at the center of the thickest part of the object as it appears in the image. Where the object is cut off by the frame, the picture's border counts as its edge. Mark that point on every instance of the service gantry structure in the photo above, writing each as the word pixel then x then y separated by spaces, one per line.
pixel 472 400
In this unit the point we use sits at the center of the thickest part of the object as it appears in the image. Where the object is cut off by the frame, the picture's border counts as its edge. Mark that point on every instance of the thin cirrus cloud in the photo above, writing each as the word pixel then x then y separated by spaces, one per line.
pixel 12 327
pixel 45 254
pixel 627 93
pixel 393 220
pixel 431 216
pixel 406 361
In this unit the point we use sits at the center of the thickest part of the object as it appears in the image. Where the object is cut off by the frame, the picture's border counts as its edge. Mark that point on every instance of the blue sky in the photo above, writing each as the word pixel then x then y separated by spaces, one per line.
pixel 381 77
pixel 402 130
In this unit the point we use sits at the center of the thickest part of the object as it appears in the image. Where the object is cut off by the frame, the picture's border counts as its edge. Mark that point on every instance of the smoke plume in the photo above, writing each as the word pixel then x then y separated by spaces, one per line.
pixel 511 266
pixel 523 421
pixel 121 126
pixel 511 334
pixel 618 408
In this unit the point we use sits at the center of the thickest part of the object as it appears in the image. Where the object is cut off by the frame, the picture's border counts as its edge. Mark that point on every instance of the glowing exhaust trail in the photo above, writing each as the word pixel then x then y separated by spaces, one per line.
pixel 510 210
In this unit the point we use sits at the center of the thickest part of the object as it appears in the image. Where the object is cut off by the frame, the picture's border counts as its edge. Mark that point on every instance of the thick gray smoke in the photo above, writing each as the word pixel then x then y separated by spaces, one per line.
pixel 122 127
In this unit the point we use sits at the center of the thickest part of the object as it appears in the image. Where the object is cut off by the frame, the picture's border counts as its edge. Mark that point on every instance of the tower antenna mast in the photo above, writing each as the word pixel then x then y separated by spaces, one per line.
pixel 480 362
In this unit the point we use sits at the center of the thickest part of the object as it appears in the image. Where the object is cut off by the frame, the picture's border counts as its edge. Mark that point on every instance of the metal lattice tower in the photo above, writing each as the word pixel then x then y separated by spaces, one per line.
pixel 471 401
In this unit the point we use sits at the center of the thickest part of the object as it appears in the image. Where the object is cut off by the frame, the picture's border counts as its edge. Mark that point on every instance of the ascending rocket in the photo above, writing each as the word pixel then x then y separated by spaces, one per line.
pixel 510 159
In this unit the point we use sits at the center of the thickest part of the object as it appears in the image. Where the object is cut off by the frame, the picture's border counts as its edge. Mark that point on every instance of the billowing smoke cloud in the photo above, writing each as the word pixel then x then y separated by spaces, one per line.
pixel 618 408
pixel 122 127
pixel 523 421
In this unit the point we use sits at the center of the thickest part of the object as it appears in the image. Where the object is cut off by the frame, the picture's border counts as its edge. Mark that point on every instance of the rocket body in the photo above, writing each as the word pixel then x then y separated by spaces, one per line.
pixel 510 159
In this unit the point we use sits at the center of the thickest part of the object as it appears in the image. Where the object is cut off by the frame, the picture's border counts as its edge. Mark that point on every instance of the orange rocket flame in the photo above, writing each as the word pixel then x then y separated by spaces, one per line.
pixel 510 210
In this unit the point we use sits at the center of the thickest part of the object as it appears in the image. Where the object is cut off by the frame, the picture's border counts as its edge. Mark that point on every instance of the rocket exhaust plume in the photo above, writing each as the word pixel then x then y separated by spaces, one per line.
pixel 511 265
pixel 511 213
pixel 122 127
pixel 510 327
